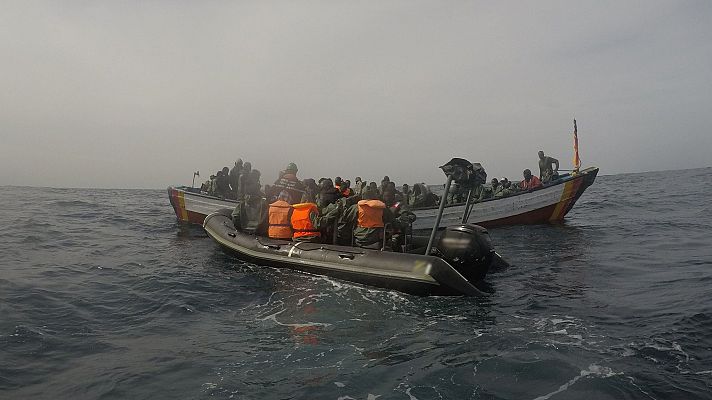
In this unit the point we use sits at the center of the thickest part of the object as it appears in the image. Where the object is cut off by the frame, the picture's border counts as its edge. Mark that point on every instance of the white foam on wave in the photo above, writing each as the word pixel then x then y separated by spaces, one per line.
pixel 593 370
pixel 273 317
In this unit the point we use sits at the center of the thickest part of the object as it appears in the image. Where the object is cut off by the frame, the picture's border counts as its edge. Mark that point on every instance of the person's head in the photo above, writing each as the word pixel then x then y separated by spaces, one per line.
pixel 405 188
pixel 219 173
pixel 386 179
pixel 357 180
pixel 370 194
pixel 226 170
pixel 541 155
pixel 238 163
pixel 506 183
pixel 338 181
pixel 310 183
pixel 495 182
pixel 327 184
pixel 527 175
pixel 284 196
pixel 346 184
pixel 372 186
pixel 291 168
pixel 247 167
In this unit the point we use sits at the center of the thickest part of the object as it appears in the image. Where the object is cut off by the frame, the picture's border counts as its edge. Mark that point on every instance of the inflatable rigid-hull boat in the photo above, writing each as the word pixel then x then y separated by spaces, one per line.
pixel 409 273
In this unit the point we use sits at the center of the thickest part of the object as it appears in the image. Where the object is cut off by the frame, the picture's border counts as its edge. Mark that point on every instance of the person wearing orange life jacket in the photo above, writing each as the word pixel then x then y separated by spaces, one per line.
pixel 369 216
pixel 307 223
pixel 279 219
pixel 530 181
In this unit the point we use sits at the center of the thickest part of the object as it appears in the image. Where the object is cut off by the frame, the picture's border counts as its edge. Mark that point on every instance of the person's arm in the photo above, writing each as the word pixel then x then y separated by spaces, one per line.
pixel 555 161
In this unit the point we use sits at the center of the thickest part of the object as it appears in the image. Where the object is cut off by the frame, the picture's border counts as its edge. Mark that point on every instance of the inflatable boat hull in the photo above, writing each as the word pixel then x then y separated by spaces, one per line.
pixel 408 273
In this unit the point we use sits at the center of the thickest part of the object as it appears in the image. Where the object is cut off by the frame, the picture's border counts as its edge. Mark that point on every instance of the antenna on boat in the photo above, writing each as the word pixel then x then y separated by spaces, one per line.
pixel 196 173
pixel 459 170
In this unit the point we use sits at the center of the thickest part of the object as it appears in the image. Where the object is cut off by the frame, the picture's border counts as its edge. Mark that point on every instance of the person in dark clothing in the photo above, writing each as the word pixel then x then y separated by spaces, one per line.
pixel 384 182
pixel 289 182
pixel 250 214
pixel 311 190
pixel 547 171
pixel 235 178
pixel 328 194
pixel 222 181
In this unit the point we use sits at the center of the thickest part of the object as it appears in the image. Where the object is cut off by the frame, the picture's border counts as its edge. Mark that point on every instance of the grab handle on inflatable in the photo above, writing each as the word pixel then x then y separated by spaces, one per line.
pixel 348 255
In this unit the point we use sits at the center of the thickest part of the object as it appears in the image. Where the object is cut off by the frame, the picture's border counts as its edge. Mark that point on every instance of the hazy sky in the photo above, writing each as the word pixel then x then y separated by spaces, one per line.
pixel 141 94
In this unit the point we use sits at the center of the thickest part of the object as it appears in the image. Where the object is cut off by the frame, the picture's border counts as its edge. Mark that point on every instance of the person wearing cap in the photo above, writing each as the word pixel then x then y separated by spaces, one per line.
pixel 530 181
pixel 289 182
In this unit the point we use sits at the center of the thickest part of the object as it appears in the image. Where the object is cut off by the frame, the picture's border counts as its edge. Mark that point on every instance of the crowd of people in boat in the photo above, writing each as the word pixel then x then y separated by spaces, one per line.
pixel 332 211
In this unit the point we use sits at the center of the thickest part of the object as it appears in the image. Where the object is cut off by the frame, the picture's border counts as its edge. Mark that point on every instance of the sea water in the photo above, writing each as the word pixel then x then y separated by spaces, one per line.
pixel 103 294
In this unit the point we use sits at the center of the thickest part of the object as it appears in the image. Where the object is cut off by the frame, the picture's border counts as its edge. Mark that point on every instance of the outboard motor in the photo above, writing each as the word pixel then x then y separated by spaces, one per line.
pixel 468 248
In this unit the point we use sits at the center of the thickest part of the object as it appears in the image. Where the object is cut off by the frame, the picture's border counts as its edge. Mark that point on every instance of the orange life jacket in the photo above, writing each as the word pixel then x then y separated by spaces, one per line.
pixel 533 183
pixel 279 224
pixel 370 213
pixel 301 222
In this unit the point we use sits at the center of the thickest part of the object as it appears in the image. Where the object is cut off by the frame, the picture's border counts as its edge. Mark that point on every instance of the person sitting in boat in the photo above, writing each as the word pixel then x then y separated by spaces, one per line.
pixel 547 171
pixel 279 219
pixel 505 188
pixel 288 181
pixel 346 190
pixel 496 188
pixel 222 183
pixel 530 181
pixel 406 194
pixel 369 216
pixel 307 223
pixel 328 194
pixel 311 190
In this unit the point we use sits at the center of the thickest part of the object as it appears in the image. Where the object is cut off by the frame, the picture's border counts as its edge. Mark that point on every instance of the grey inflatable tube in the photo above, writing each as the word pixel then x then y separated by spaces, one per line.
pixel 408 273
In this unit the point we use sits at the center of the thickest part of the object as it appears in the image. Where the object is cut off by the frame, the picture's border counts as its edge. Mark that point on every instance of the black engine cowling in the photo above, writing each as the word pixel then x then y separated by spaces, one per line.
pixel 468 248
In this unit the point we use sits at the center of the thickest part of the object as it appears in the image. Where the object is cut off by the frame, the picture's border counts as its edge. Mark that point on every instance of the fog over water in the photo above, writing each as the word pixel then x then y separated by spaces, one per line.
pixel 141 94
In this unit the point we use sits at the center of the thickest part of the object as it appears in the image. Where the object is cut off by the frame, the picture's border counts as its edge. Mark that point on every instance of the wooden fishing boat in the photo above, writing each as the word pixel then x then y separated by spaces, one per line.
pixel 549 203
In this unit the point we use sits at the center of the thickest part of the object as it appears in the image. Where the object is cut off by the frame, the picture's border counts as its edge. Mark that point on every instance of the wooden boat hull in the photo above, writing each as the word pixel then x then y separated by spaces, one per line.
pixel 547 204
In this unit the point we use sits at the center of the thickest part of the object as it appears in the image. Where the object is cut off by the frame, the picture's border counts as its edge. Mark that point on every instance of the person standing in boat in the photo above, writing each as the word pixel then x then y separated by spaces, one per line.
pixel 530 181
pixel 222 181
pixel 235 178
pixel 289 182
pixel 547 171
pixel 250 214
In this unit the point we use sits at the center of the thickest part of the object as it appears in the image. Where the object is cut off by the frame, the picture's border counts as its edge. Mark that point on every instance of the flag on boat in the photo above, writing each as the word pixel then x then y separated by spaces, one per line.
pixel 577 159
